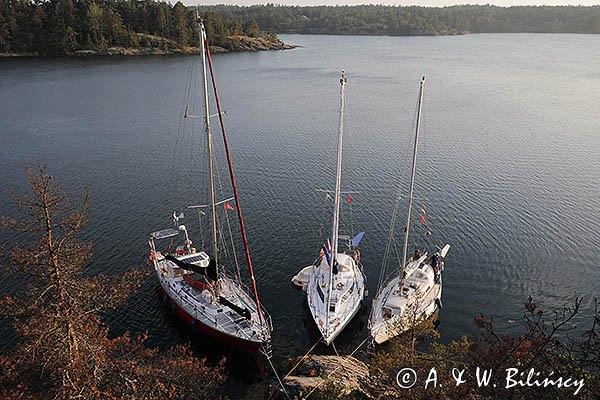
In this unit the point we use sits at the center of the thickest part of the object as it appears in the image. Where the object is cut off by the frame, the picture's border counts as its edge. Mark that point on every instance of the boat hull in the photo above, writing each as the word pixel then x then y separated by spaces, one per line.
pixel 350 276
pixel 386 330
pixel 331 338
pixel 201 327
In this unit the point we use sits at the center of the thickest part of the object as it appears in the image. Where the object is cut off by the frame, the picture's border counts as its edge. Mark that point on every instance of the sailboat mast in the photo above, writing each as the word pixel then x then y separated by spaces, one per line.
pixel 234 186
pixel 209 141
pixel 336 199
pixel 414 169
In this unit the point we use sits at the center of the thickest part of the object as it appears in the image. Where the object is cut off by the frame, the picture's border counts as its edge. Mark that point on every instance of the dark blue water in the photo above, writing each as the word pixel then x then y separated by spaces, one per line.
pixel 509 166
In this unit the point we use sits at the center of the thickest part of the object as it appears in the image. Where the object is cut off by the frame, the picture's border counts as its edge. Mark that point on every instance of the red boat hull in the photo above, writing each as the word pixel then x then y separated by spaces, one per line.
pixel 201 327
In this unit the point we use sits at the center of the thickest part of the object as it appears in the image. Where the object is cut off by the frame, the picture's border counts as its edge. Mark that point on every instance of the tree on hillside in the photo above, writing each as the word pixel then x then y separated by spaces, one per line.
pixel 63 350
pixel 63 36
pixel 251 28
pixel 181 24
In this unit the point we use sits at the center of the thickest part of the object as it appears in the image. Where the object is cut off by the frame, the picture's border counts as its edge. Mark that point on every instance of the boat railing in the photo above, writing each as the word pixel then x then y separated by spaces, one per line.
pixel 267 320
pixel 198 312
pixel 266 316
pixel 194 309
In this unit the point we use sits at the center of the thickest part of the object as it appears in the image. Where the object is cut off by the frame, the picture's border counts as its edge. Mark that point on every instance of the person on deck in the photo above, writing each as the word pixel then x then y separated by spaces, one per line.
pixel 417 255
pixel 434 261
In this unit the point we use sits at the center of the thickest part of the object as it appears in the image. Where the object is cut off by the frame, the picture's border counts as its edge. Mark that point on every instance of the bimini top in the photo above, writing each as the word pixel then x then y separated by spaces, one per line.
pixel 165 233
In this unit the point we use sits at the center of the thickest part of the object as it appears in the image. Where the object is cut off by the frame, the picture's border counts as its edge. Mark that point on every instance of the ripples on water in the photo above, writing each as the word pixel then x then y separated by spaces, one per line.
pixel 509 162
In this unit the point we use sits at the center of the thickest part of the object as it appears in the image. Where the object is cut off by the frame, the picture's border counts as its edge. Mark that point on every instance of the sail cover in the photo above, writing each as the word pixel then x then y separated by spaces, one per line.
pixel 210 271
pixel 242 311
pixel 165 233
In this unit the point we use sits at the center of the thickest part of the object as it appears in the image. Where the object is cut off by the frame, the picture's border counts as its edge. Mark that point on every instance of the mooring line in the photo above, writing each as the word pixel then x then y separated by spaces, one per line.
pixel 335 370
pixel 302 359
pixel 335 349
pixel 278 379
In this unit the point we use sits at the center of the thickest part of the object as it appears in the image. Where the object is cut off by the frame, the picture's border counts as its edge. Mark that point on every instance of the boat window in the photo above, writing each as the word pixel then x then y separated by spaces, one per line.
pixel 386 312
pixel 320 292
pixel 348 293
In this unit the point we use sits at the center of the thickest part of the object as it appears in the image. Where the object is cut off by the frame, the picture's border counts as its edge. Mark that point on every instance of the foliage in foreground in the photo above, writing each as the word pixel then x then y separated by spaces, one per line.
pixel 545 345
pixel 63 350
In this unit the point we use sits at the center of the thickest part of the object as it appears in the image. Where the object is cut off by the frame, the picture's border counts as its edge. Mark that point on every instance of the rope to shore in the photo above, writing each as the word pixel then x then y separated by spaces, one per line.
pixel 302 359
pixel 335 370
pixel 277 376
pixel 334 349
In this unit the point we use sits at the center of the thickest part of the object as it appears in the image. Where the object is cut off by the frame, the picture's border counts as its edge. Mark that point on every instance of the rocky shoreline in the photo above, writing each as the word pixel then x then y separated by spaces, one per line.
pixel 347 376
pixel 163 46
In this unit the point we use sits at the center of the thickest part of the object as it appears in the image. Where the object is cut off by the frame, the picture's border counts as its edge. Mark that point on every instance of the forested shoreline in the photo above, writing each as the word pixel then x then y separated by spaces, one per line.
pixel 65 27
pixel 416 20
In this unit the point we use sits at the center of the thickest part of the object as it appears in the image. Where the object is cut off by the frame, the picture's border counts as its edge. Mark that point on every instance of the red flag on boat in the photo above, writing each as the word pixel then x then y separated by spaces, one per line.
pixel 228 207
pixel 350 198
pixel 422 218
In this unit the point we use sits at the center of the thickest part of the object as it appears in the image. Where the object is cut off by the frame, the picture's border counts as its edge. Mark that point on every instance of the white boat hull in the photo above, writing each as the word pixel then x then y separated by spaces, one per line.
pixel 301 279
pixel 396 310
pixel 346 296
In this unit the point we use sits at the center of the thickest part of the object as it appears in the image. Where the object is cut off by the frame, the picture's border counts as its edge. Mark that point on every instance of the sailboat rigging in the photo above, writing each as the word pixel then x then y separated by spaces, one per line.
pixel 334 283
pixel 196 284
pixel 415 293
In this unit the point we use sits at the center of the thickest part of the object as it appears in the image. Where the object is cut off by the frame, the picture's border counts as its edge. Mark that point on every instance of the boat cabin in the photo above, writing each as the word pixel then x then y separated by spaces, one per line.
pixel 419 279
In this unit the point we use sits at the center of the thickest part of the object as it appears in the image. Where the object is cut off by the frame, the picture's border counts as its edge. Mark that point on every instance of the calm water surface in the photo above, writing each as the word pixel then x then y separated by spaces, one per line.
pixel 510 163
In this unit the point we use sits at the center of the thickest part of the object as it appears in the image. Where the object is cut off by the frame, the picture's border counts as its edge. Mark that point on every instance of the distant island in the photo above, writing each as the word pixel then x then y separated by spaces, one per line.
pixel 121 27
pixel 415 20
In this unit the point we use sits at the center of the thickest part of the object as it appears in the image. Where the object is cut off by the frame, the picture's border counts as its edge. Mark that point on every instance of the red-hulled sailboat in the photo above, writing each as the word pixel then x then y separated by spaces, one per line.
pixel 195 281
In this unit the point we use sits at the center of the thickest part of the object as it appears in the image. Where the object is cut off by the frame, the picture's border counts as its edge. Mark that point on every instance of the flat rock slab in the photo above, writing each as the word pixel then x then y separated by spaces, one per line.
pixel 345 373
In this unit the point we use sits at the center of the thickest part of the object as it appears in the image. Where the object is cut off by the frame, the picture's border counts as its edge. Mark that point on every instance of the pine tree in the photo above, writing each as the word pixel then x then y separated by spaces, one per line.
pixel 63 350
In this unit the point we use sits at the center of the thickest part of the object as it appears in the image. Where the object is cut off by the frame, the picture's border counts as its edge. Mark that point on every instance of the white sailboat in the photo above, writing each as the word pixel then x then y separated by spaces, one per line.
pixel 414 293
pixel 335 283
pixel 196 285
